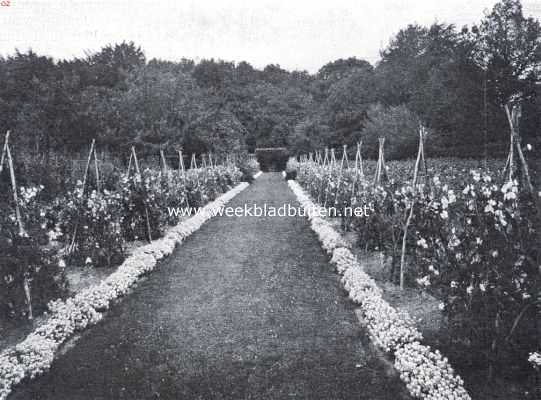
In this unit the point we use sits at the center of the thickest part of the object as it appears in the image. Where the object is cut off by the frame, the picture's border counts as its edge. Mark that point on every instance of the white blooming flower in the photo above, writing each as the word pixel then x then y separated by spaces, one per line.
pixel 424 281
pixel 535 359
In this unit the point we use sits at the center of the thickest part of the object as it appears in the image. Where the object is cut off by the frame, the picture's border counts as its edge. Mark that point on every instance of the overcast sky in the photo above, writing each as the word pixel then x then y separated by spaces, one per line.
pixel 297 34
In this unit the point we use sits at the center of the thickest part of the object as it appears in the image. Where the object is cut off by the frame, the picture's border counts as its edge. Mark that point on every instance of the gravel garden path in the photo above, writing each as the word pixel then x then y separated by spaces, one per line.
pixel 245 308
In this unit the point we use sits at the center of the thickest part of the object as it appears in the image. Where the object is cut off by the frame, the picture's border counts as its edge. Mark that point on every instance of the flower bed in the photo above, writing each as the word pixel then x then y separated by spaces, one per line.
pixel 34 355
pixel 426 373
pixel 465 235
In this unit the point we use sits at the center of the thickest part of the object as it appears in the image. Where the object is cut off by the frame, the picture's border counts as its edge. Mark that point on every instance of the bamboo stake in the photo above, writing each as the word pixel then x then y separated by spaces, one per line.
pixel 345 157
pixel 28 296
pixel 135 161
pixel 164 162
pixel 138 172
pixel 410 214
pixel 180 161
pixel 71 247
pixel 515 141
pixel 203 162
pixel 4 151
pixel 326 159
pixel 129 164
pixel 87 167
pixel 380 168
pixel 339 182
pixel 6 154
pixel 98 185
pixel 22 231
pixel 193 162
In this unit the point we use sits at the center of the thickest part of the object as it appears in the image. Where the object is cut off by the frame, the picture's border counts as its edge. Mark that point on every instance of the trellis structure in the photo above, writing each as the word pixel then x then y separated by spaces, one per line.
pixel 420 160
pixel 381 172
pixel 7 158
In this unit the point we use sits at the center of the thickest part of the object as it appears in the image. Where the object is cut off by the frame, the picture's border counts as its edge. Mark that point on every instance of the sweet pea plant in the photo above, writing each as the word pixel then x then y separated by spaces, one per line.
pixel 29 269
pixel 92 222
pixel 472 244
pixel 426 373
pixel 35 354
pixel 476 250
pixel 87 226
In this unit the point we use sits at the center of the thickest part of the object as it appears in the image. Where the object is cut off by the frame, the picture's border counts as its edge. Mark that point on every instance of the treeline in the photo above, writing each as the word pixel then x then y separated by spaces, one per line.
pixel 453 81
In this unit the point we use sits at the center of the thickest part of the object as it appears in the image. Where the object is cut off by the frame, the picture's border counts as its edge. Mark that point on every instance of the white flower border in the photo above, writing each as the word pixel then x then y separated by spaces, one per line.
pixel 426 373
pixel 35 354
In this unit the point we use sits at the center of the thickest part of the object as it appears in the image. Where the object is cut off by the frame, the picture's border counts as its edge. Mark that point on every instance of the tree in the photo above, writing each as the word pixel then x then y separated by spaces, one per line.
pixel 112 64
pixel 398 125
pixel 510 49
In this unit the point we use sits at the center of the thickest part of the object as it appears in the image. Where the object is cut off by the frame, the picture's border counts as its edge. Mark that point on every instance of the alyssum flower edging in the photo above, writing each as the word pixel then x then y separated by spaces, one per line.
pixel 426 373
pixel 34 355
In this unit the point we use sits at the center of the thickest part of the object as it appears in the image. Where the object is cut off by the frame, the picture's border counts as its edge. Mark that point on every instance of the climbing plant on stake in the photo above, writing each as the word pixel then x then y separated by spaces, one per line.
pixel 359 160
pixel 138 172
pixel 193 162
pixel 181 162
pixel 343 161
pixel 420 158
pixel 91 153
pixel 6 157
pixel 513 117
pixel 380 167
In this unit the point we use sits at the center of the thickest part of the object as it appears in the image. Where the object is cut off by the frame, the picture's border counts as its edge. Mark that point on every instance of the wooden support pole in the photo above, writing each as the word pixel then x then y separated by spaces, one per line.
pixel 129 164
pixel 513 118
pixel 410 213
pixel 180 161
pixel 164 161
pixel 97 170
pixel 135 161
pixel 28 297
pixel 326 159
pixel 87 167
pixel 380 167
pixel 71 246
pixel 6 155
pixel 22 231
pixel 4 151
pixel 345 159
pixel 359 159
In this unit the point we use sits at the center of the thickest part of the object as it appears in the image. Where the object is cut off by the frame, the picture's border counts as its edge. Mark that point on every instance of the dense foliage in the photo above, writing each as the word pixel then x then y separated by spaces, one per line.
pixel 453 80
pixel 85 226
pixel 473 243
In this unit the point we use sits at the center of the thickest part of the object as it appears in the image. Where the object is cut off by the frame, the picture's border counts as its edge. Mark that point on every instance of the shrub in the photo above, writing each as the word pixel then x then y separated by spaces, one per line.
pixel 272 159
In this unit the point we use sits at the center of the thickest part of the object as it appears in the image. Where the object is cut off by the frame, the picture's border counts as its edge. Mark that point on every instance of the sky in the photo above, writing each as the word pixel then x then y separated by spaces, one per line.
pixel 296 34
